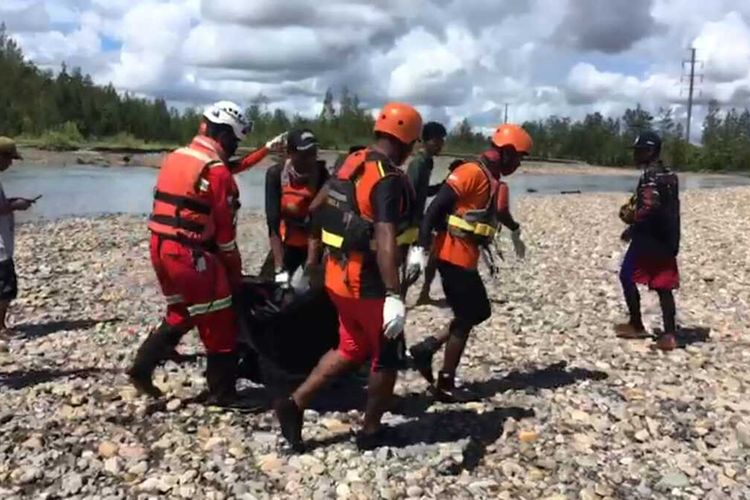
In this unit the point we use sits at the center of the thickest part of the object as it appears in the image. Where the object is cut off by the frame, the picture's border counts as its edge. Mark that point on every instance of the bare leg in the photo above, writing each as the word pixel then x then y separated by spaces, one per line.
pixel 379 394
pixel 4 304
pixel 330 366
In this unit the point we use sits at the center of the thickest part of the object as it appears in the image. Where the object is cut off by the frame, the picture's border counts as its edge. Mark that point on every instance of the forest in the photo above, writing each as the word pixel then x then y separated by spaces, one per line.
pixel 67 110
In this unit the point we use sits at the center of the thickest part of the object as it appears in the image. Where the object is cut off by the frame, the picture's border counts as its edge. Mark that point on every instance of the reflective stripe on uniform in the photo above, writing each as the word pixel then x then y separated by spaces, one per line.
pixel 228 246
pixel 174 299
pixel 334 240
pixel 203 185
pixel 214 305
pixel 408 237
pixel 330 239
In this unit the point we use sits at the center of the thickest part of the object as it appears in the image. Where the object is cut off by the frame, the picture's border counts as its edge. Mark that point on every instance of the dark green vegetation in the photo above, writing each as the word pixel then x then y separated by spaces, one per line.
pixel 68 111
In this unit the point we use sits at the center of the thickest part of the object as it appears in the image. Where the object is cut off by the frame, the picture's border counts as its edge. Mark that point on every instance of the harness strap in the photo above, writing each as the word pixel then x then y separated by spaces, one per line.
pixel 183 202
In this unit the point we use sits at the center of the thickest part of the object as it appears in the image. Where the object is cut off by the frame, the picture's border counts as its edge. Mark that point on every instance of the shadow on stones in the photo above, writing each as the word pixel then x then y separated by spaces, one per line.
pixel 439 303
pixel 21 379
pixel 474 431
pixel 553 376
pixel 37 330
pixel 689 335
pixel 692 335
pixel 351 393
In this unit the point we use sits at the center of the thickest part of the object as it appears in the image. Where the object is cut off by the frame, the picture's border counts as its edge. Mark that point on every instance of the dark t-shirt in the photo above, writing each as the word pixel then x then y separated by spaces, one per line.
pixel 419 171
pixel 387 199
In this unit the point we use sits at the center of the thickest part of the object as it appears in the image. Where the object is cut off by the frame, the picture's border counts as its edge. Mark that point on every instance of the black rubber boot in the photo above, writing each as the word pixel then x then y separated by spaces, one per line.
pixel 422 354
pixel 290 418
pixel 447 392
pixel 158 346
pixel 222 371
pixel 221 377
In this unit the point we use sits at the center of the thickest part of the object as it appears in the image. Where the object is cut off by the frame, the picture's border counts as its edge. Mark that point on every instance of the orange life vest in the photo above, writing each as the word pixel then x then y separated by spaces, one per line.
pixel 479 225
pixel 180 210
pixel 347 227
pixel 295 209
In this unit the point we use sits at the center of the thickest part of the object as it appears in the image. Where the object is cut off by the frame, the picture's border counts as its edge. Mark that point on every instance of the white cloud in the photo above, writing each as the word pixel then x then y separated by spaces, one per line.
pixel 453 58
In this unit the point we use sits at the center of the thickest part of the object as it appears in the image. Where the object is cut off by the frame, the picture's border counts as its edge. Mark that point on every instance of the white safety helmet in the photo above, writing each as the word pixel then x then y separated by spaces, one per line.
pixel 228 113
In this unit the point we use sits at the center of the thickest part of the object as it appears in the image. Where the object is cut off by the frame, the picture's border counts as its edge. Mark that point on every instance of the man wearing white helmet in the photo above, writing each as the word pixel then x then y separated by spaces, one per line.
pixel 195 255
pixel 254 157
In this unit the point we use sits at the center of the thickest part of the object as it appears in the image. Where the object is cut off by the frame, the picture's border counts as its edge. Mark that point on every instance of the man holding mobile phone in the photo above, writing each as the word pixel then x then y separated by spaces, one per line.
pixel 8 286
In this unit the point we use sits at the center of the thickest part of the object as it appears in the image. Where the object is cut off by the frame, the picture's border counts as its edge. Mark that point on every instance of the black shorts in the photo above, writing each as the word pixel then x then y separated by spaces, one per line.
pixel 8 281
pixel 465 293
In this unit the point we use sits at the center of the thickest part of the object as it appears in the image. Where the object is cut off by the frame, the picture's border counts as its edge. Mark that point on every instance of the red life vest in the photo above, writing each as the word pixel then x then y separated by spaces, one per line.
pixel 181 211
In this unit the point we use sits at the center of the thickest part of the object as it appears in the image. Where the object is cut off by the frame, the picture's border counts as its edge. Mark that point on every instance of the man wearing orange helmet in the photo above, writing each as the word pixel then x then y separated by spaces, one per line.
pixel 466 214
pixel 368 206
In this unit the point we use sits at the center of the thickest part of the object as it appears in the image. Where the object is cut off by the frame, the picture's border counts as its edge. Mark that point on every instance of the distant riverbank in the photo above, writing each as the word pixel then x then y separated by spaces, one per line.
pixel 138 157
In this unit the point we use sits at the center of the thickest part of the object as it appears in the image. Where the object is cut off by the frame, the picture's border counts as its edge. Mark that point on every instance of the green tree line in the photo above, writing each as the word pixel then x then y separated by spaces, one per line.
pixel 66 110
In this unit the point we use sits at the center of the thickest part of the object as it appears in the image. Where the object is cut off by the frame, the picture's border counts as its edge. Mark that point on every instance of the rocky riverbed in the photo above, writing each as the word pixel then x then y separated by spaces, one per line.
pixel 568 411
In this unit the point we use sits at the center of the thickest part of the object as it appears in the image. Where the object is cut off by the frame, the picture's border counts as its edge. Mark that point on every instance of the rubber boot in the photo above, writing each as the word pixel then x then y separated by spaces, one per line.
pixel 422 354
pixel 221 378
pixel 290 418
pixel 447 392
pixel 222 372
pixel 157 347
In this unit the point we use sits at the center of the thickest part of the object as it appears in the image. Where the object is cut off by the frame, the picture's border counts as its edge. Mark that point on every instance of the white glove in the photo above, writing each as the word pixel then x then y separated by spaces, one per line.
pixel 394 316
pixel 277 142
pixel 518 245
pixel 281 278
pixel 301 281
pixel 416 262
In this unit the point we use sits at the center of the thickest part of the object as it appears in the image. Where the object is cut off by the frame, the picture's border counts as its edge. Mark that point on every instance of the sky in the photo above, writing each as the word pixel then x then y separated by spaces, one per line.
pixel 450 58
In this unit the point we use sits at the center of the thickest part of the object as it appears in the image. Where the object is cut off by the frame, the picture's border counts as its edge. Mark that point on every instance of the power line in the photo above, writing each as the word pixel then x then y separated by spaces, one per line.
pixel 691 88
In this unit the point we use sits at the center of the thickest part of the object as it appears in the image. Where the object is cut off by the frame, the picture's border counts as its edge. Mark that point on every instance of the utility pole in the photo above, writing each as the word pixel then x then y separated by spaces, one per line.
pixel 506 113
pixel 691 88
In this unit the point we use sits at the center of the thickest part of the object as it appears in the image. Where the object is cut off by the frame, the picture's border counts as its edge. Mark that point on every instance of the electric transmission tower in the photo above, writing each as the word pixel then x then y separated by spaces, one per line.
pixel 690 79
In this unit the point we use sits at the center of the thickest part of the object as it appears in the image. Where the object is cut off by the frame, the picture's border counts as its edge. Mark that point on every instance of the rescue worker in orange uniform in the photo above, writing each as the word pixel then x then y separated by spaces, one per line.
pixel 368 205
pixel 466 214
pixel 290 189
pixel 194 252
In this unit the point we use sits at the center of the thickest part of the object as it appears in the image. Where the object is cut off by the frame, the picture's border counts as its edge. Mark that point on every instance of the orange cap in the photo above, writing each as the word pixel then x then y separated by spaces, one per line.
pixel 401 121
pixel 510 134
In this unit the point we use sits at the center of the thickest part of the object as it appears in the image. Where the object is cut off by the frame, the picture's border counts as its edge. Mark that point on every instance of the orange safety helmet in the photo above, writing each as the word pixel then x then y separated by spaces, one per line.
pixel 401 121
pixel 510 134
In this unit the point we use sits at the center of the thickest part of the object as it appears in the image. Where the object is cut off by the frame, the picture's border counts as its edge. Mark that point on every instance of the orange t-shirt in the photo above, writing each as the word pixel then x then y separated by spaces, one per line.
pixel 473 189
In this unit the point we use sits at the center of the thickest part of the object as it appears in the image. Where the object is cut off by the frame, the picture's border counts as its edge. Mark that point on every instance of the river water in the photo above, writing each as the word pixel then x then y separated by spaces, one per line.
pixel 90 190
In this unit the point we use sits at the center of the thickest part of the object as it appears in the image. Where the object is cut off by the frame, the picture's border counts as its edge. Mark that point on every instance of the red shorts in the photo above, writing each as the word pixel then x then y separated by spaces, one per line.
pixel 360 327
pixel 195 285
pixel 659 273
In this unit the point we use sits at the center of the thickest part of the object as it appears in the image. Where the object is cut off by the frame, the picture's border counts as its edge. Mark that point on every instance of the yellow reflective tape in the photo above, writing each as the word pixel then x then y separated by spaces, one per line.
pixel 228 247
pixel 408 237
pixel 484 230
pixel 215 305
pixel 332 240
pixel 460 223
pixel 381 169
pixel 480 229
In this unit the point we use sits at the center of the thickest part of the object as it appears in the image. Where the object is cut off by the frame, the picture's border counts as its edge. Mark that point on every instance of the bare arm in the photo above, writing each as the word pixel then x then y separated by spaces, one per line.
pixel 387 255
